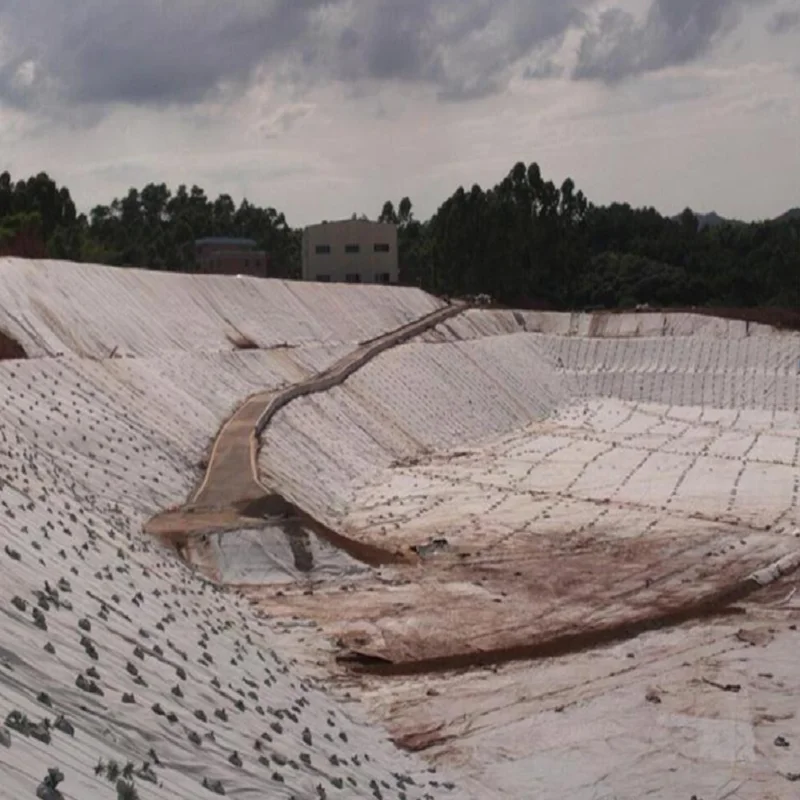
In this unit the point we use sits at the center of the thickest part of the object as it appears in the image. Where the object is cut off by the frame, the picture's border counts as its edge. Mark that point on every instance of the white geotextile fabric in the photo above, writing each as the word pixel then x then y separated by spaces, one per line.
pixel 54 307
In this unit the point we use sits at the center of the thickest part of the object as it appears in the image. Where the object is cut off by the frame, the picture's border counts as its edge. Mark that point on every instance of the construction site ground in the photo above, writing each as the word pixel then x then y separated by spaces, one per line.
pixel 553 555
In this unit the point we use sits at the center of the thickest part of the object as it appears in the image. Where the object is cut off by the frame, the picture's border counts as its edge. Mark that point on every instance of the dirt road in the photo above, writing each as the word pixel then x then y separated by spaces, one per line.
pixel 231 492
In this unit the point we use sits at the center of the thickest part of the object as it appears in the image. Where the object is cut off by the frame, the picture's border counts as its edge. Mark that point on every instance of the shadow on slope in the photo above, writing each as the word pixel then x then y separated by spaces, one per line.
pixel 10 348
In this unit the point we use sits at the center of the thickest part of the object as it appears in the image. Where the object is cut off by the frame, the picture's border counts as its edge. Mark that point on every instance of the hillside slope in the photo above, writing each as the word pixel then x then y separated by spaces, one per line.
pixel 561 490
pixel 52 308
pixel 588 509
pixel 146 661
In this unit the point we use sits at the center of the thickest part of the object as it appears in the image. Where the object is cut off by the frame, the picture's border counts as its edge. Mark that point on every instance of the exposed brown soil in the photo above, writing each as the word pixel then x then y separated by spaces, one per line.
pixel 720 604
pixel 453 622
pixel 10 348
pixel 175 528
pixel 231 496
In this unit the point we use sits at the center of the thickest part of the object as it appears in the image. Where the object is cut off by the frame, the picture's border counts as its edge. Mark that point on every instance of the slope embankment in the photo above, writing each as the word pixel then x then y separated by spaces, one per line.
pixel 552 485
pixel 55 307
pixel 479 323
pixel 567 490
pixel 558 644
pixel 118 663
pixel 231 492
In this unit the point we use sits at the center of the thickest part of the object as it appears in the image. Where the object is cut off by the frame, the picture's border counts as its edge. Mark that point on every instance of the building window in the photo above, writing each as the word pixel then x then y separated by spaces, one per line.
pixel 380 247
pixel 353 277
pixel 323 278
pixel 322 249
pixel 352 248
pixel 382 277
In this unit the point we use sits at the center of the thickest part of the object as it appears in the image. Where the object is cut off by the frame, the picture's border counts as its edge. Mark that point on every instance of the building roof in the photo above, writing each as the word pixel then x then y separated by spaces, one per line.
pixel 230 240
pixel 349 222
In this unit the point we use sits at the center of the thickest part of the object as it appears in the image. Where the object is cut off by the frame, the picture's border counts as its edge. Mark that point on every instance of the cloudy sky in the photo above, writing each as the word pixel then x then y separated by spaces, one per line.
pixel 322 108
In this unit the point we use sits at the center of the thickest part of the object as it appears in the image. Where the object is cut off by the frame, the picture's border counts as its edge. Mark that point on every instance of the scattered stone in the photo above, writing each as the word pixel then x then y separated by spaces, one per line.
pixel 126 790
pixel 214 786
pixel 86 685
pixel 40 731
pixel 781 741
pixel 13 554
pixel 38 618
pixel 47 789
pixel 17 721
pixel 64 725
pixel 145 773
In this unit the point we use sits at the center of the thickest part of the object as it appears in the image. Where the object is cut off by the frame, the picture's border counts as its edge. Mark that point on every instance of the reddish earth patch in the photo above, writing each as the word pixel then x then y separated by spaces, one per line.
pixel 10 348
pixel 564 644
pixel 177 526
pixel 533 598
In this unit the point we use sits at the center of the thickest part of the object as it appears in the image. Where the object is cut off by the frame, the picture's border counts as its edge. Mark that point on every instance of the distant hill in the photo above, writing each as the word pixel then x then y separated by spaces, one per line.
pixel 714 220
pixel 710 220
pixel 792 213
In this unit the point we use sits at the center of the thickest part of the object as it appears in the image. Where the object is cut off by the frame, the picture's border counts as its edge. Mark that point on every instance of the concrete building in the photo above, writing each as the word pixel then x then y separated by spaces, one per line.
pixel 220 255
pixel 350 251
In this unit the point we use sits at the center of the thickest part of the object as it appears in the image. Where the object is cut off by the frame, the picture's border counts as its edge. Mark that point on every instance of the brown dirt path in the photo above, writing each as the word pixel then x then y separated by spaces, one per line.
pixel 231 494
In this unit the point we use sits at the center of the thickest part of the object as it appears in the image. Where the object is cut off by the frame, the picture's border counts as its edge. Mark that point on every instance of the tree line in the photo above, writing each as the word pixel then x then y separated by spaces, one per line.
pixel 525 242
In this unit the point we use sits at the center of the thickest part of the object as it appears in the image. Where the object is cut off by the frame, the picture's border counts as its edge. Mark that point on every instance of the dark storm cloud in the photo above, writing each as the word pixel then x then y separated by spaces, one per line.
pixel 148 51
pixel 389 41
pixel 466 48
pixel 673 32
pixel 784 21
pixel 155 53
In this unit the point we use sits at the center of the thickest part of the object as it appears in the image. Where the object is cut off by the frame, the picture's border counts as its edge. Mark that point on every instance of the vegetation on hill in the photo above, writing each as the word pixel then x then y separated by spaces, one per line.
pixel 524 241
